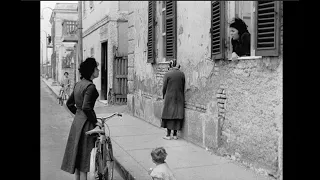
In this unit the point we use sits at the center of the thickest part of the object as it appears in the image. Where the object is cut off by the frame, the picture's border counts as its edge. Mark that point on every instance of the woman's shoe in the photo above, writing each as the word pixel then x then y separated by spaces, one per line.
pixel 175 137
pixel 167 137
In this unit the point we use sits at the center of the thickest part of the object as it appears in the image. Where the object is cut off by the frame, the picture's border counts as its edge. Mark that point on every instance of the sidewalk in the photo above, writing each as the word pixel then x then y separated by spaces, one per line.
pixel 133 139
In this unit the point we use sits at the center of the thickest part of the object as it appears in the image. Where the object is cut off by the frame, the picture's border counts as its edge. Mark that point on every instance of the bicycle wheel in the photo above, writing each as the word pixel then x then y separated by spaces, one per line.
pixel 91 175
pixel 109 160
pixel 100 163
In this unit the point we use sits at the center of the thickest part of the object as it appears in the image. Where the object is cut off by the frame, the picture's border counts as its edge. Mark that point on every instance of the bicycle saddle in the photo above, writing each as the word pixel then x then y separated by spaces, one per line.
pixel 96 130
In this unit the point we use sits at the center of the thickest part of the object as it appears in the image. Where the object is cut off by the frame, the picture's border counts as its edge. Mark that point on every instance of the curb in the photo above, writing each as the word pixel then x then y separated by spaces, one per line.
pixel 117 166
pixel 122 171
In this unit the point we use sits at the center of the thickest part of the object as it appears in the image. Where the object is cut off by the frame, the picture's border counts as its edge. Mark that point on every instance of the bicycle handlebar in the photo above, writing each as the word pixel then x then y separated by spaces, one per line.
pixel 105 118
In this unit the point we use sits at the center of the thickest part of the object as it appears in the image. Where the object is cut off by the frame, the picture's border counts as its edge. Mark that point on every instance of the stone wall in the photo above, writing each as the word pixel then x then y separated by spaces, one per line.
pixel 232 107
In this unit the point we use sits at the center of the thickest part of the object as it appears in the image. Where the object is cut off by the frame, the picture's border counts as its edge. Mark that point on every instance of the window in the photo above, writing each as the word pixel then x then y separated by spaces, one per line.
pixel 217 29
pixel 170 37
pixel 91 5
pixel 262 20
pixel 151 31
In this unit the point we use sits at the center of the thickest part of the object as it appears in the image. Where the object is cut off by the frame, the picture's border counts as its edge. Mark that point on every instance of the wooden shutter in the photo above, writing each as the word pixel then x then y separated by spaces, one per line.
pixel 267 28
pixel 151 31
pixel 217 29
pixel 171 30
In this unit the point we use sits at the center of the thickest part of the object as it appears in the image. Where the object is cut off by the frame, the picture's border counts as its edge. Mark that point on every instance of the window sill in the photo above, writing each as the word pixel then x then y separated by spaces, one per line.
pixel 164 61
pixel 247 58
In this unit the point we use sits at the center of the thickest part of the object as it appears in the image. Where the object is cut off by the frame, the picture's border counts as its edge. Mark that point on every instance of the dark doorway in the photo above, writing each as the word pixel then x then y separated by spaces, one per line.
pixel 104 70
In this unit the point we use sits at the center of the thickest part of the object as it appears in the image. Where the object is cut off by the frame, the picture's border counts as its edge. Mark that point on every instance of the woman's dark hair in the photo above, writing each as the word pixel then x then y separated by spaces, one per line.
pixel 240 25
pixel 87 67
pixel 159 155
pixel 65 73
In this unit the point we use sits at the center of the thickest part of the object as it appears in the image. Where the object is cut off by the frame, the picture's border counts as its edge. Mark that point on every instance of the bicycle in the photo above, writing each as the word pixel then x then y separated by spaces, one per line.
pixel 63 96
pixel 104 162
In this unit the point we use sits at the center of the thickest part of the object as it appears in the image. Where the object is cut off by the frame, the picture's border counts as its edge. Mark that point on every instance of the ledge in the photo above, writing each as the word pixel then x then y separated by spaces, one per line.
pixel 164 62
pixel 246 58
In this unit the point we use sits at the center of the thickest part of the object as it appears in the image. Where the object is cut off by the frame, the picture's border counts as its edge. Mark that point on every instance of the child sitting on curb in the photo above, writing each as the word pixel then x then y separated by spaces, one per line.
pixel 162 170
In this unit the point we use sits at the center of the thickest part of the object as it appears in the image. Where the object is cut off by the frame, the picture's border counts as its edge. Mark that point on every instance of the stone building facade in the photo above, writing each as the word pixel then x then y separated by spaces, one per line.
pixel 232 107
pixel 61 12
pixel 104 26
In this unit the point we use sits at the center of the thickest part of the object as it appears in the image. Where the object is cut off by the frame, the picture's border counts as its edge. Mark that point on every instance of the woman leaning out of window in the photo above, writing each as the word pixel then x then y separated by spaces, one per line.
pixel 240 39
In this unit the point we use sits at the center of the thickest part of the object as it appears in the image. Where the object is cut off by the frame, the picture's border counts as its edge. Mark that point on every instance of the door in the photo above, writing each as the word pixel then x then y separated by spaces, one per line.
pixel 120 69
pixel 104 70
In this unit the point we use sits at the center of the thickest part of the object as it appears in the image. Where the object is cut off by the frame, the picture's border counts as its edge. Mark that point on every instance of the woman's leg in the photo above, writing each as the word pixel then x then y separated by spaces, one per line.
pixel 168 137
pixel 83 175
pixel 168 132
pixel 175 132
pixel 77 174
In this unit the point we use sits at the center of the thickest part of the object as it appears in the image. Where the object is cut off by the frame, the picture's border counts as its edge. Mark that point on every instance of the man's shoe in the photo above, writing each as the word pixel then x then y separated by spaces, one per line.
pixel 175 137
pixel 167 137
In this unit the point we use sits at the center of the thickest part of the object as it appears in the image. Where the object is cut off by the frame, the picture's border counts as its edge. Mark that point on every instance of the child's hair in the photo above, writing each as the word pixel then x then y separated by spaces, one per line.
pixel 159 155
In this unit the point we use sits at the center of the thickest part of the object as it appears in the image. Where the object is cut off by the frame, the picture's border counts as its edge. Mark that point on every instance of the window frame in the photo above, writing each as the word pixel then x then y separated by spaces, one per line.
pixel 231 12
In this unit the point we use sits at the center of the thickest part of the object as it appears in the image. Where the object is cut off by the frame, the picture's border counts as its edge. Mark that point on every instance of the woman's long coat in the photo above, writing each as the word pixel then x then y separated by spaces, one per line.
pixel 81 103
pixel 173 94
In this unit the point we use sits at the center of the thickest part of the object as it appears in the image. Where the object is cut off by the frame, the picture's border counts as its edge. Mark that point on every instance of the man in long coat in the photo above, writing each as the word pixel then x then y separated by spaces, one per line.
pixel 173 94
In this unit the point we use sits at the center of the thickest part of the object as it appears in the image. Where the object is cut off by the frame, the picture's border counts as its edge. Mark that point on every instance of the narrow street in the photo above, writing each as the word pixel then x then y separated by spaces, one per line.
pixel 55 125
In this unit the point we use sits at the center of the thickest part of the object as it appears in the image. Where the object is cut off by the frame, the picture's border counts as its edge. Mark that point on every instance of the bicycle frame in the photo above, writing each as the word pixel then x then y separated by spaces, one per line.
pixel 104 147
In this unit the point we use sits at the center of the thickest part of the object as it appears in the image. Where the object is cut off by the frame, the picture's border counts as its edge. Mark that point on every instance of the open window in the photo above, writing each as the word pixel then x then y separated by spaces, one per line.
pixel 262 20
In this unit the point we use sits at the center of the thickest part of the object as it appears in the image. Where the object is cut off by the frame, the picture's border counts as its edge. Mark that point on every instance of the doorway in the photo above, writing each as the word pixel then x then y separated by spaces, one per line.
pixel 104 70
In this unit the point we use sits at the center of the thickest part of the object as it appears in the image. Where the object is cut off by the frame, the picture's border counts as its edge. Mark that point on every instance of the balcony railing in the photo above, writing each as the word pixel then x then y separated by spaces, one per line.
pixel 69 31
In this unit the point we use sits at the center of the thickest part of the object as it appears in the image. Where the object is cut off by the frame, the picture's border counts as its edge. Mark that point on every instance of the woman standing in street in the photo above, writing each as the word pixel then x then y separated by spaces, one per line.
pixel 173 94
pixel 81 103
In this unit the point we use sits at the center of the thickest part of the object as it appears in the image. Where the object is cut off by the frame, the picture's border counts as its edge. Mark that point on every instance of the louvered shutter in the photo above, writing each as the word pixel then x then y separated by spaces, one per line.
pixel 217 29
pixel 151 31
pixel 267 28
pixel 171 30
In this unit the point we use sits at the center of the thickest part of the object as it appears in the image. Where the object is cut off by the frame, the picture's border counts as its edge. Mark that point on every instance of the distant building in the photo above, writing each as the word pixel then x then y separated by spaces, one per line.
pixel 105 27
pixel 63 12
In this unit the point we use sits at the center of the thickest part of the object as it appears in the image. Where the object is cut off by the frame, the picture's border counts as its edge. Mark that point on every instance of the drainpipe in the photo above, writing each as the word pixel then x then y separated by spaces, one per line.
pixel 79 46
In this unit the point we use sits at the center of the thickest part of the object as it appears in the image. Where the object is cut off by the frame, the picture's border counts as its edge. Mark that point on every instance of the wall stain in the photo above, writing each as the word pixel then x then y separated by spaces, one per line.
pixel 180 30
